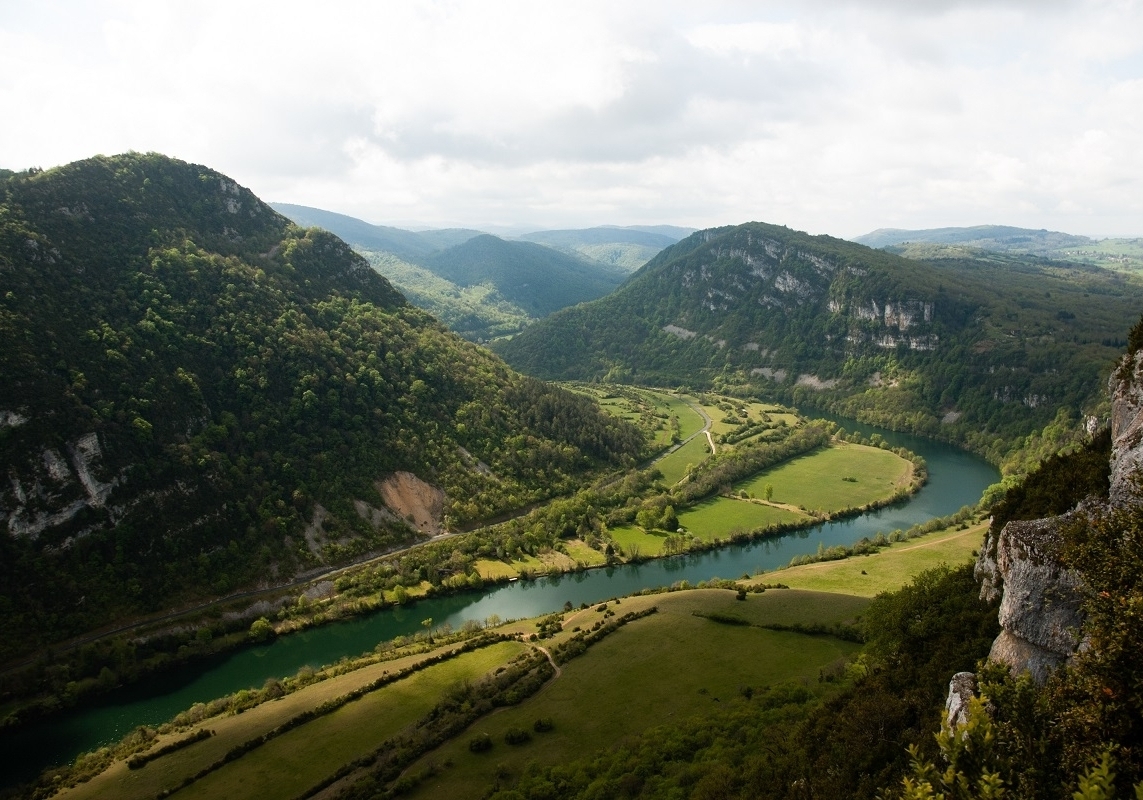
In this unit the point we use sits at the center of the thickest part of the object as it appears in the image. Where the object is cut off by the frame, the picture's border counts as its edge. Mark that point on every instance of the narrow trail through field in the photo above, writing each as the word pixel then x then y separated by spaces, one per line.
pixel 958 535
pixel 555 666
pixel 710 440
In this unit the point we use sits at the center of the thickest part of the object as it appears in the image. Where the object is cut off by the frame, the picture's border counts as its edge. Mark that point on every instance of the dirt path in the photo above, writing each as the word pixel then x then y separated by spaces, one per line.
pixel 958 535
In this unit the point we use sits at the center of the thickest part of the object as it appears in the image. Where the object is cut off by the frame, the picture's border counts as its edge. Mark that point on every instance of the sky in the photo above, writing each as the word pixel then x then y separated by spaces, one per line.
pixel 824 115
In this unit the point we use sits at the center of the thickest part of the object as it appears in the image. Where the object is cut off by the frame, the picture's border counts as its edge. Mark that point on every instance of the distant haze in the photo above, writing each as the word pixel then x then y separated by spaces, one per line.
pixel 831 116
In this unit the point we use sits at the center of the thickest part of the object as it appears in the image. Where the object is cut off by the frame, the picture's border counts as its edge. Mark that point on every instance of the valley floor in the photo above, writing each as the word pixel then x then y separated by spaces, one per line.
pixel 680 655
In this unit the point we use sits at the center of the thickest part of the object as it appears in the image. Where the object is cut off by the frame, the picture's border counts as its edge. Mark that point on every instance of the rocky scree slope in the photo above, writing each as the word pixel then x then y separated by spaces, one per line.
pixel 200 396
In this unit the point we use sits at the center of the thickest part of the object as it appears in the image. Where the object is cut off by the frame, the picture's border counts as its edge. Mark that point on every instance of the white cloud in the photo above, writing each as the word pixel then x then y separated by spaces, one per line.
pixel 831 116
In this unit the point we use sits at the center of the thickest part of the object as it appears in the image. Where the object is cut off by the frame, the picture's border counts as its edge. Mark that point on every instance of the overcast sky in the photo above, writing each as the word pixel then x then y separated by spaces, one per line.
pixel 827 116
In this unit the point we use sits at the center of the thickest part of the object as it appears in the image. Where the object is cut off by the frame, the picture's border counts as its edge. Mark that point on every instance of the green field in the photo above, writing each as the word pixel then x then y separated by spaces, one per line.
pixel 669 666
pixel 283 766
pixel 719 517
pixel 627 537
pixel 647 669
pixel 814 481
pixel 674 466
pixel 886 570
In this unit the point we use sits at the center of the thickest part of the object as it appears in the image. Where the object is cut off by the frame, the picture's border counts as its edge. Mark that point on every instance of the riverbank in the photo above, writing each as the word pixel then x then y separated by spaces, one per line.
pixel 432 569
pixel 956 479
pixel 244 723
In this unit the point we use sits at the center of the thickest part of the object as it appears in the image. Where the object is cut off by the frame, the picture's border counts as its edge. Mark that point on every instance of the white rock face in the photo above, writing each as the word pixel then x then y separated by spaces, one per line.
pixel 962 688
pixel 1039 598
pixel 1126 385
pixel 43 497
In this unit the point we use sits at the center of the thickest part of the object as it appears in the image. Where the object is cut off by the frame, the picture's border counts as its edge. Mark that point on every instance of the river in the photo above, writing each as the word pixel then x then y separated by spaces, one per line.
pixel 956 479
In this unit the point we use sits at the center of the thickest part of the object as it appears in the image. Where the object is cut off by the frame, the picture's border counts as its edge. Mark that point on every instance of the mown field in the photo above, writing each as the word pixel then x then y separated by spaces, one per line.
pixel 842 476
pixel 887 569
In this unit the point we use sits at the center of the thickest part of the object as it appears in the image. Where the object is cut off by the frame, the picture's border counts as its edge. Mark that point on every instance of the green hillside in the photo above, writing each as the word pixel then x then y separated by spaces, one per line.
pixel 478 313
pixel 977 351
pixel 200 396
pixel 537 279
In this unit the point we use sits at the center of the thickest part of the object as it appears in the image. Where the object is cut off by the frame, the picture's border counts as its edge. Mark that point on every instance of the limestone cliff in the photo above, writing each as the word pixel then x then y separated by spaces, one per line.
pixel 1020 565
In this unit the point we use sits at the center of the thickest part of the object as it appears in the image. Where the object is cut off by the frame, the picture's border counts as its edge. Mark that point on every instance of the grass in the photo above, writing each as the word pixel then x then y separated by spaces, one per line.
pixel 888 569
pixel 582 554
pixel 578 553
pixel 669 666
pixel 627 537
pixel 491 570
pixel 719 517
pixel 305 755
pixel 120 782
pixel 674 465
pixel 815 481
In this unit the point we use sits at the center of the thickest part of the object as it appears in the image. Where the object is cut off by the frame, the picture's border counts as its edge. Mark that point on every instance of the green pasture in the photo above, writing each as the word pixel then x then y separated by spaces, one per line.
pixel 491 570
pixel 666 667
pixel 305 755
pixel 886 570
pixel 627 537
pixel 674 465
pixel 248 777
pixel 582 554
pixel 815 481
pixel 718 517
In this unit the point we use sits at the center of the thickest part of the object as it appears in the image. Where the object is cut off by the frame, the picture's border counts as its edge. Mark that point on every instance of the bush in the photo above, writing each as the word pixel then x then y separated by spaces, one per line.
pixel 480 743
pixel 517 736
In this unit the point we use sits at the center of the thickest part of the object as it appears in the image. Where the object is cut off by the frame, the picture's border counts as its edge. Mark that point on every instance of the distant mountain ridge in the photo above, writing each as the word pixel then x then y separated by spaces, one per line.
pixel 400 242
pixel 987 237
pixel 1124 255
pixel 484 286
pixel 955 348
pixel 538 279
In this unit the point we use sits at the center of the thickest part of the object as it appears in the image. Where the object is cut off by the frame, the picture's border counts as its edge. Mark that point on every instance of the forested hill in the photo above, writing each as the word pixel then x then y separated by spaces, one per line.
pixel 199 395
pixel 536 278
pixel 980 352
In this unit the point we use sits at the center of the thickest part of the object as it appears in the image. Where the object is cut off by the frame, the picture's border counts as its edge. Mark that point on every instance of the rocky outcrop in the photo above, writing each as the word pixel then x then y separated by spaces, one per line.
pixel 1039 597
pixel 962 688
pixel 1126 387
pixel 51 490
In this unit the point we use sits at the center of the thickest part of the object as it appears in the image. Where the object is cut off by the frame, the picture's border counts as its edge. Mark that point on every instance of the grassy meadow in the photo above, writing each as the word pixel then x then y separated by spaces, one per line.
pixel 669 666
pixel 303 756
pixel 887 569
pixel 842 476
pixel 720 517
